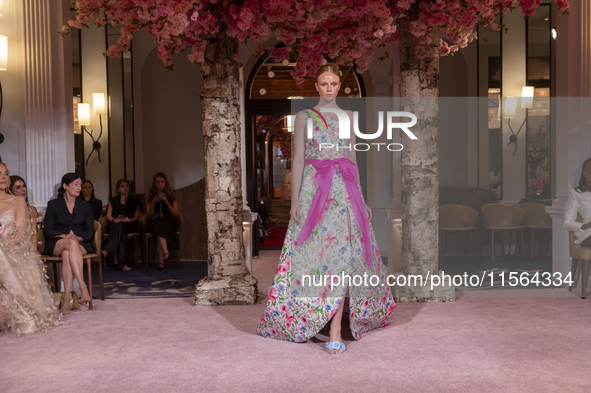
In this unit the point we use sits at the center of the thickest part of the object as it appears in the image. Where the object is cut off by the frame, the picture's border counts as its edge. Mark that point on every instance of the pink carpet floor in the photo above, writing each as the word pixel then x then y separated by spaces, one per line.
pixel 168 345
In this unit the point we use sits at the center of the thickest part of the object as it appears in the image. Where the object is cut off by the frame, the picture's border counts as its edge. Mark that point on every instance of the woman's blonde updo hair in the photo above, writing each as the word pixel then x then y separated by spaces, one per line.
pixel 332 68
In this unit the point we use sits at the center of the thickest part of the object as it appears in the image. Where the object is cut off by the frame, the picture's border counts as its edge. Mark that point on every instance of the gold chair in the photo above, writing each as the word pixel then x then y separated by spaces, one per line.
pixel 584 255
pixel 148 236
pixel 135 236
pixel 536 218
pixel 502 218
pixel 457 219
pixel 88 258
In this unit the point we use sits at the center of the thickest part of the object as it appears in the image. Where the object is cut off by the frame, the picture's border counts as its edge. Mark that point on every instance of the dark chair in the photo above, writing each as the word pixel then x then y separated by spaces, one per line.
pixel 148 236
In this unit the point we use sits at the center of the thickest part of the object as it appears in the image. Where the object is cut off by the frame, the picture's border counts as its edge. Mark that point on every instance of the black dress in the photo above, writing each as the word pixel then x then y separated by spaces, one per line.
pixel 165 227
pixel 97 207
pixel 116 243
pixel 59 221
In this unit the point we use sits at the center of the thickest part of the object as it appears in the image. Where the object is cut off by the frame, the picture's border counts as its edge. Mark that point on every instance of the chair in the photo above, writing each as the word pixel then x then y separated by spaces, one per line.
pixel 148 236
pixel 579 253
pixel 456 219
pixel 502 218
pixel 135 236
pixel 88 258
pixel 536 218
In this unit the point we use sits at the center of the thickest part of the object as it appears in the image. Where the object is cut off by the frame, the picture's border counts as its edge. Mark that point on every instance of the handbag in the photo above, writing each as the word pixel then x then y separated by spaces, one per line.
pixel 58 296
pixel 157 216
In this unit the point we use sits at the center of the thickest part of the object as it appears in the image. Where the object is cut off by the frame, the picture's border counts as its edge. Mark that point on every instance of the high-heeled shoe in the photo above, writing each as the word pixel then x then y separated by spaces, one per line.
pixel 85 300
pixel 65 312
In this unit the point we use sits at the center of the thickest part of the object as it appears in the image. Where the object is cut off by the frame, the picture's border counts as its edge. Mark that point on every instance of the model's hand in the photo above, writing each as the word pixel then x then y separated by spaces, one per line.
pixel 586 226
pixel 126 219
pixel 117 220
pixel 368 212
pixel 295 211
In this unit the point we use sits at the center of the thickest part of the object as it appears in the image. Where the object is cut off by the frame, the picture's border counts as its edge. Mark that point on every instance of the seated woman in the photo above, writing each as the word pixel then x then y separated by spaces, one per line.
pixel 18 187
pixel 162 210
pixel 26 302
pixel 68 231
pixel 578 201
pixel 123 213
pixel 87 195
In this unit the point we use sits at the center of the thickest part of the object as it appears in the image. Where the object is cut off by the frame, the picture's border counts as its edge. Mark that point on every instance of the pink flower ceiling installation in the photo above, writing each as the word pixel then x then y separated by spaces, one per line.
pixel 345 31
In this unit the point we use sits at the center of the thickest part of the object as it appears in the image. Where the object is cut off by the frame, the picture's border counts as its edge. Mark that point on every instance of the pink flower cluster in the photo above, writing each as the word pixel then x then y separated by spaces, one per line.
pixel 343 31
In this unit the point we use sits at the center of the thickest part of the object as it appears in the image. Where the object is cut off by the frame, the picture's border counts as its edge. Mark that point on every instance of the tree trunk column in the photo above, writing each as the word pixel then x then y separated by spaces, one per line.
pixel 419 91
pixel 227 281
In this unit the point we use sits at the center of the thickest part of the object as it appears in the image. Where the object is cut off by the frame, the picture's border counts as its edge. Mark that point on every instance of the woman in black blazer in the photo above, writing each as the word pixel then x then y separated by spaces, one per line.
pixel 68 232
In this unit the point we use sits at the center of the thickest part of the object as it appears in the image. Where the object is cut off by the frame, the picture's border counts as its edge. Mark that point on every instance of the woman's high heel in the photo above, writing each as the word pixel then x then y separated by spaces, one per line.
pixel 85 300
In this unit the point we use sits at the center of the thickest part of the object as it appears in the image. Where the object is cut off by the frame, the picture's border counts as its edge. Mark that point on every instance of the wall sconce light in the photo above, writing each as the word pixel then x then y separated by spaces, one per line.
pixel 3 53
pixel 554 33
pixel 0 7
pixel 83 114
pixel 527 97
pixel 98 102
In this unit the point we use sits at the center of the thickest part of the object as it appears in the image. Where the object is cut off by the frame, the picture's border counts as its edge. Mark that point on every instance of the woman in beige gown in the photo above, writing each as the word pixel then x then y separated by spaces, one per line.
pixel 26 302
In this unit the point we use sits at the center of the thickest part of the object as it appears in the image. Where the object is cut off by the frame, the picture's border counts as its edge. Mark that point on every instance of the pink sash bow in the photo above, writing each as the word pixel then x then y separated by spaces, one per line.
pixel 325 170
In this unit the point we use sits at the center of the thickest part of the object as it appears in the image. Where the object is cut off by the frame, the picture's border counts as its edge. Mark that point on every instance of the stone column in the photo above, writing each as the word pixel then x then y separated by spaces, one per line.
pixel 48 125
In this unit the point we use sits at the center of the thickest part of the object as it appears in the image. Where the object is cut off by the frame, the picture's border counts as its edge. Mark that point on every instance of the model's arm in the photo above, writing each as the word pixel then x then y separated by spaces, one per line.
pixel 297 165
pixel 22 221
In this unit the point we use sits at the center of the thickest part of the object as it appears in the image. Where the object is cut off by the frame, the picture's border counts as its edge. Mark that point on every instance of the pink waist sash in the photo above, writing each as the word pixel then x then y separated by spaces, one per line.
pixel 325 170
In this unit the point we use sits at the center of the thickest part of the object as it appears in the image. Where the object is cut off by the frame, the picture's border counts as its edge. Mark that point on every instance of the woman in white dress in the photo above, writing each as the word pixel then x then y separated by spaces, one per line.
pixel 578 201
pixel 26 302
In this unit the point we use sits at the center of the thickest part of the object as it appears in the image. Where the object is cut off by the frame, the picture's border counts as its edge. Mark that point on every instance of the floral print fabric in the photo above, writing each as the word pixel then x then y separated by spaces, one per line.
pixel 296 310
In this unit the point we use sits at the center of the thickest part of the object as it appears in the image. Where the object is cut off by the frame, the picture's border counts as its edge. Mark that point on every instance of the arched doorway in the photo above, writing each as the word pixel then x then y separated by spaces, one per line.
pixel 270 89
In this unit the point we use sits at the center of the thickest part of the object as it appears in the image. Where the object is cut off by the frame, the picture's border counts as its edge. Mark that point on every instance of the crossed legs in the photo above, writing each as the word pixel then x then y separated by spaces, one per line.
pixel 72 266
pixel 162 249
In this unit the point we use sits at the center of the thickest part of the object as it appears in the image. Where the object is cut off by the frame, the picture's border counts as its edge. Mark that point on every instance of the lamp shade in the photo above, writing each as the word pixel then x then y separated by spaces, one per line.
pixel 83 114
pixel 98 101
pixel 510 107
pixel 3 53
pixel 527 97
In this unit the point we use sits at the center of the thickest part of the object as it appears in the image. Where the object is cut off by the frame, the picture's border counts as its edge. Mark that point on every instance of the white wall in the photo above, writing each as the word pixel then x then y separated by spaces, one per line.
pixel 171 120
pixel 37 111
pixel 514 78
pixel 94 80
pixel 12 119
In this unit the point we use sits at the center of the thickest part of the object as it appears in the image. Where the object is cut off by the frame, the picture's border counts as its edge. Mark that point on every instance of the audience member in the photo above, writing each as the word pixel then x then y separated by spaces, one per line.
pixel 123 213
pixel 162 210
pixel 68 231
pixel 18 187
pixel 87 195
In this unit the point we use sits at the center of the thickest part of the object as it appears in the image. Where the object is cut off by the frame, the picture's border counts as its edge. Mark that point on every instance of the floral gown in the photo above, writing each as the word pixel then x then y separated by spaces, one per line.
pixel 26 301
pixel 297 311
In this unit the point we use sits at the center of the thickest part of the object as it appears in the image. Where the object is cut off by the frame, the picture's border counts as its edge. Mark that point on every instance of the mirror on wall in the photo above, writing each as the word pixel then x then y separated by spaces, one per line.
pixel 538 130
pixel 120 93
pixel 490 81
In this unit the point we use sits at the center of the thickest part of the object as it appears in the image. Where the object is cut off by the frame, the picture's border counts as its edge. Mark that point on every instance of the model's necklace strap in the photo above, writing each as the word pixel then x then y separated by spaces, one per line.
pixel 325 170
